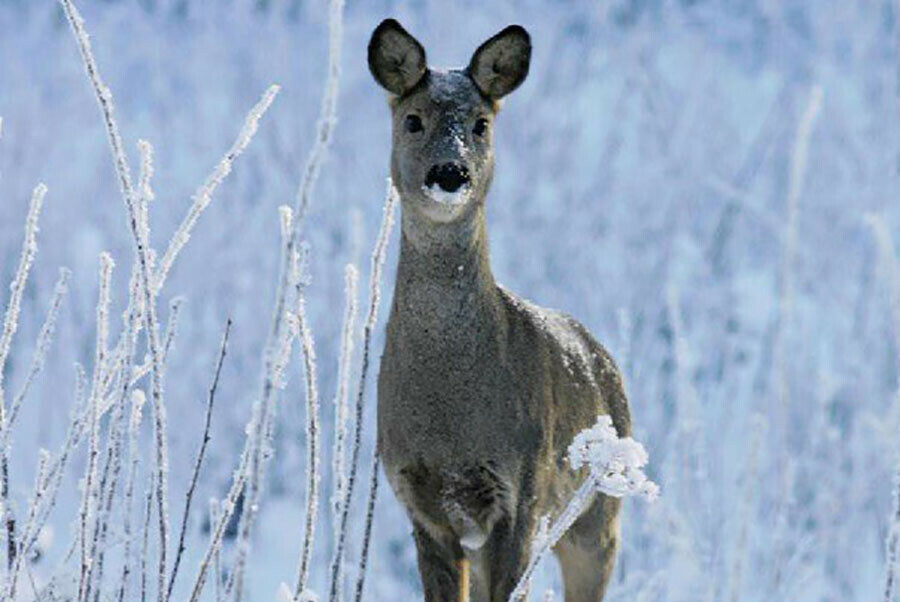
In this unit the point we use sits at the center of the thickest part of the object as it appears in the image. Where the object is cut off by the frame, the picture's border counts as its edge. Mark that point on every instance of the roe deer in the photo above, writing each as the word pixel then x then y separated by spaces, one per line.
pixel 480 392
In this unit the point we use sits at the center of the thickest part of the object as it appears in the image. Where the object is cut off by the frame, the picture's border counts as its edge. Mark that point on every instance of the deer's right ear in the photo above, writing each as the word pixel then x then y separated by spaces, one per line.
pixel 396 59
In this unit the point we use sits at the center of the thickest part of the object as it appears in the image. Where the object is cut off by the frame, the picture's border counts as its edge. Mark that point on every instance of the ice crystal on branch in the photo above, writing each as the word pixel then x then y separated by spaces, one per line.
pixel 616 464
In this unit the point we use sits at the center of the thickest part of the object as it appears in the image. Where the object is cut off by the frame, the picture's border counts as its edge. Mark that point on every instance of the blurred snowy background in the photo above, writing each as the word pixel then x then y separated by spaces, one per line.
pixel 690 178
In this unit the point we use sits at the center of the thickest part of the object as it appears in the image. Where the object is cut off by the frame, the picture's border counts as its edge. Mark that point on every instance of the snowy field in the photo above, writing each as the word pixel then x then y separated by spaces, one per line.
pixel 709 185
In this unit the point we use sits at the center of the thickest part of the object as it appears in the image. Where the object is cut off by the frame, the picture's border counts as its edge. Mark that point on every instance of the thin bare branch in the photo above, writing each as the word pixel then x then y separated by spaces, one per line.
pixel 198 464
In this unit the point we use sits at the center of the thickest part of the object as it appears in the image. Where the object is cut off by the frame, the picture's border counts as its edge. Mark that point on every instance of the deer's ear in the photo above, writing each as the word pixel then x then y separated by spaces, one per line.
pixel 501 64
pixel 396 59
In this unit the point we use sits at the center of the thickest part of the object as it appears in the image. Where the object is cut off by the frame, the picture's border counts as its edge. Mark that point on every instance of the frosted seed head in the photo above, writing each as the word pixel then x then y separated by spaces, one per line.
pixel 614 463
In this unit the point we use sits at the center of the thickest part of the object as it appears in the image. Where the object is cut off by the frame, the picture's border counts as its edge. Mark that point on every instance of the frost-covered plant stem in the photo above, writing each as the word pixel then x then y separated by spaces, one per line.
pixel 257 430
pixel 41 485
pixel 203 195
pixel 201 199
pixel 256 446
pixel 348 329
pixel 106 494
pixel 145 538
pixel 139 236
pixel 56 469
pixel 89 499
pixel 198 464
pixel 312 441
pixel 17 288
pixel 614 468
pixel 327 117
pixel 324 130
pixel 217 556
pixel 367 531
pixel 45 338
pixel 376 269
pixel 227 510
pixel 124 363
pixel 40 488
pixel 132 317
pixel 10 325
pixel 134 456
pixel 544 542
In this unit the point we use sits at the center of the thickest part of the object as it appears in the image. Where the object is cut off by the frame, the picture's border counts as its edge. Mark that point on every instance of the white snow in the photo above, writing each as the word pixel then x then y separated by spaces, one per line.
pixel 454 199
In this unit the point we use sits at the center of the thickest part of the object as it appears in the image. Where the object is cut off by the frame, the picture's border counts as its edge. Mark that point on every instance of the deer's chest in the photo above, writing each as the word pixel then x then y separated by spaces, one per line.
pixel 444 400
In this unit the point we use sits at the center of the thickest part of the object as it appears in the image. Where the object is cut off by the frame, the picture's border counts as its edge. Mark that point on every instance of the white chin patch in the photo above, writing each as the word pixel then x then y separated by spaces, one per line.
pixel 441 196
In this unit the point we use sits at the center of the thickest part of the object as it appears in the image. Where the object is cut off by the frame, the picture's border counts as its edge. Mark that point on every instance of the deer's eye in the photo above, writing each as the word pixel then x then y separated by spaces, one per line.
pixel 413 124
pixel 480 127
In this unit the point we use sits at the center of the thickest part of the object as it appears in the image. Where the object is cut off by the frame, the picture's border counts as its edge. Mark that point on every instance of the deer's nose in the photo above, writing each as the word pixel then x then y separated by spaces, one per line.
pixel 449 176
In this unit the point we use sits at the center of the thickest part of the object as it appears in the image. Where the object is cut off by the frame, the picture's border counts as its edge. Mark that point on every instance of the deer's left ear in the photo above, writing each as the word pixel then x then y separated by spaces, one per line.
pixel 501 64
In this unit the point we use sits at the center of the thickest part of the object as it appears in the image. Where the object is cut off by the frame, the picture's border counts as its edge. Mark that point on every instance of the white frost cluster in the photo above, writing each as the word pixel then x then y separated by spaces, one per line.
pixel 616 464
pixel 441 196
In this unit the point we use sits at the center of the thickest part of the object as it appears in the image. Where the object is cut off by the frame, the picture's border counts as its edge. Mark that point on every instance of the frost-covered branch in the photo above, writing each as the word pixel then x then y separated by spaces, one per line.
pixel 304 333
pixel 45 338
pixel 227 507
pixel 17 288
pixel 145 537
pixel 56 469
pixel 348 329
pixel 37 362
pixel 35 503
pixel 89 498
pixel 274 345
pixel 144 190
pixel 203 196
pixel 257 445
pixel 615 468
pixel 217 556
pixel 140 239
pixel 10 325
pixel 327 117
pixel 367 530
pixel 376 269
pixel 134 423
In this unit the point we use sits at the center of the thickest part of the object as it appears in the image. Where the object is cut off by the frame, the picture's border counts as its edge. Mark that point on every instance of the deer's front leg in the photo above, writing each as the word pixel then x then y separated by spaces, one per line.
pixel 440 566
pixel 510 547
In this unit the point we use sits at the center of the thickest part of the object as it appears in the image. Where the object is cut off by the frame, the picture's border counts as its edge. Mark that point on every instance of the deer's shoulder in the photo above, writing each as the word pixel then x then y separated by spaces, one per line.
pixel 569 350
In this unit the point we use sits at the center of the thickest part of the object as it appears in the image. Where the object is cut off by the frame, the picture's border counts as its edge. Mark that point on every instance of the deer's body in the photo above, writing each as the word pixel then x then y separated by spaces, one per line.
pixel 480 392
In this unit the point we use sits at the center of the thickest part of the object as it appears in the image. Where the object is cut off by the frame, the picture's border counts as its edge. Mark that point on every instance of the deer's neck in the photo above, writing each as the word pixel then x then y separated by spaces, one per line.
pixel 445 289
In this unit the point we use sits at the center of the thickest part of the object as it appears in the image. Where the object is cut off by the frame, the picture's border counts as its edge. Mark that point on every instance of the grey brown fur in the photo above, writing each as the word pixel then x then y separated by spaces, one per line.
pixel 480 392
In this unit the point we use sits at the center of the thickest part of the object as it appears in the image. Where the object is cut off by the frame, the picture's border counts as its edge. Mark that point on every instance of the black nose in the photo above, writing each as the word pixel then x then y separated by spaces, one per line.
pixel 449 176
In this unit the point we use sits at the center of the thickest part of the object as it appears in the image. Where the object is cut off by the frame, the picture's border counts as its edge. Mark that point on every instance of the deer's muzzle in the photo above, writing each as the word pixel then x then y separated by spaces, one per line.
pixel 449 176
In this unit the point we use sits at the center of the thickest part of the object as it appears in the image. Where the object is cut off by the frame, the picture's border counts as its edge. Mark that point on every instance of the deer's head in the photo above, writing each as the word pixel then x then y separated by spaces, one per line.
pixel 442 159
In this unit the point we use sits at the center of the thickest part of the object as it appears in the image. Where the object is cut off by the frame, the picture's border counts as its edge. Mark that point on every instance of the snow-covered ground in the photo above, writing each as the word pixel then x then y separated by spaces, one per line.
pixel 690 178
